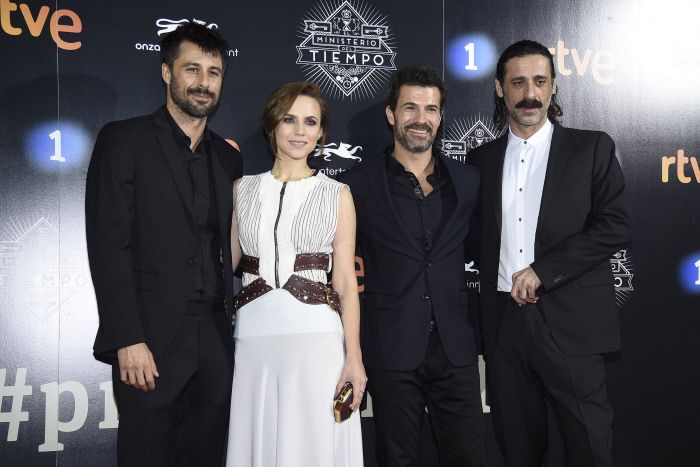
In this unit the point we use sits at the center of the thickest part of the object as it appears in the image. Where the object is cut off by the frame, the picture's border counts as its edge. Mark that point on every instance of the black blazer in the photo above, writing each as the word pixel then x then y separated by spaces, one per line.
pixel 141 236
pixel 394 317
pixel 582 222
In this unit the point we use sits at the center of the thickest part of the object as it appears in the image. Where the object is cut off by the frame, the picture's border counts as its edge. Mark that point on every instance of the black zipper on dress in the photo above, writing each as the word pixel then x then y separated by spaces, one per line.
pixel 277 250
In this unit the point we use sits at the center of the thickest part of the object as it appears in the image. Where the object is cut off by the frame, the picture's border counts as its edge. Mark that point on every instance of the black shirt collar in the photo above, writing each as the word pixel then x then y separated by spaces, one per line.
pixel 182 138
pixel 395 168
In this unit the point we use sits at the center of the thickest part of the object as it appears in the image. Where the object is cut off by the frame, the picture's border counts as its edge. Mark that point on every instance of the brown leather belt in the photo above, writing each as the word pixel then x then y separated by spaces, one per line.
pixel 250 264
pixel 250 292
pixel 301 288
pixel 313 292
pixel 305 261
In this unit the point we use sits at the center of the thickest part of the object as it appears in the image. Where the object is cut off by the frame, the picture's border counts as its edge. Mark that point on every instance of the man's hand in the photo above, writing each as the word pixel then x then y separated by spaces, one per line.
pixel 525 285
pixel 137 367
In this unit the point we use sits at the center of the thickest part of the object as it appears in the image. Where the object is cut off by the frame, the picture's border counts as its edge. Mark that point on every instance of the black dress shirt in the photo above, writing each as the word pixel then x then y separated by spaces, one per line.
pixel 423 215
pixel 208 279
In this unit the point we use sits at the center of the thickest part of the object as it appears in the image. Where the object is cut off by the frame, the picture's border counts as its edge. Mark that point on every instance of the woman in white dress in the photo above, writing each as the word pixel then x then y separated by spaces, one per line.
pixel 294 351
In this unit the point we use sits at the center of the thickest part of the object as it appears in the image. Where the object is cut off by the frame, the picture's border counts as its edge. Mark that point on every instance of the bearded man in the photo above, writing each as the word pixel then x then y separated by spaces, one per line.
pixel 413 213
pixel 158 218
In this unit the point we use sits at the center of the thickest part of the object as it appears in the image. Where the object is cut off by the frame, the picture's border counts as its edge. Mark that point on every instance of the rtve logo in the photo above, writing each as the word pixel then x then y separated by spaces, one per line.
pixel 681 161
pixel 35 22
pixel 599 62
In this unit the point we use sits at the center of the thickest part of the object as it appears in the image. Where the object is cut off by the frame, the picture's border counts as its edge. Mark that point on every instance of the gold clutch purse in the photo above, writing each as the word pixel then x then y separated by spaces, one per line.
pixel 341 403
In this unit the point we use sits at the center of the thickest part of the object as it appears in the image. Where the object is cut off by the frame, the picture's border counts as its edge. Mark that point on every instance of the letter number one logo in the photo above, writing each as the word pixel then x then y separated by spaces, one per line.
pixel 697 265
pixel 470 50
pixel 56 137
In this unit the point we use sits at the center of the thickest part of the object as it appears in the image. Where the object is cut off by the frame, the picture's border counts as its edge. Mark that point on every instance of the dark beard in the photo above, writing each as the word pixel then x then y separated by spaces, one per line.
pixel 415 148
pixel 190 108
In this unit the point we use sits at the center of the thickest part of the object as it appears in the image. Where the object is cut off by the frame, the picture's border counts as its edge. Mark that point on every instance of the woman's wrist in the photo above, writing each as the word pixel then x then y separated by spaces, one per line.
pixel 354 357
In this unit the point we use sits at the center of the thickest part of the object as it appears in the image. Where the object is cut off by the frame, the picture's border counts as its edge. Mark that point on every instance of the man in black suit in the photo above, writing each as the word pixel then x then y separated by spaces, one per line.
pixel 552 214
pixel 158 218
pixel 413 208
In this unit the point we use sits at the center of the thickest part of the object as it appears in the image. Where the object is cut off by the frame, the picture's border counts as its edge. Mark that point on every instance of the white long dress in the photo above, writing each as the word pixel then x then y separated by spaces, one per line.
pixel 289 354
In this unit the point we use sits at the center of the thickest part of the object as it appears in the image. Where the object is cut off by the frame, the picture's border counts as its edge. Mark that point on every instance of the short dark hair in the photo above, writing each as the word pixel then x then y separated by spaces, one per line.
pixel 209 40
pixel 415 75
pixel 282 99
pixel 521 49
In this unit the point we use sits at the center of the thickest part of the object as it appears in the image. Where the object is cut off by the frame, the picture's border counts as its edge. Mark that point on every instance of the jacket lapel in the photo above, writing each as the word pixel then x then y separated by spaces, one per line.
pixel 173 158
pixel 381 183
pixel 222 188
pixel 497 183
pixel 556 162
pixel 459 193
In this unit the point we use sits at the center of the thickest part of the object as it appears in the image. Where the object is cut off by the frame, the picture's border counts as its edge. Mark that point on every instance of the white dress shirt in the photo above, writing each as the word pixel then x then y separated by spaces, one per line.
pixel 524 169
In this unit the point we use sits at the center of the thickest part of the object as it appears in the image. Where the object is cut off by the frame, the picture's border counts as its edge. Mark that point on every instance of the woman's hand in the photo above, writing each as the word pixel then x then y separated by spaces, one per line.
pixel 354 372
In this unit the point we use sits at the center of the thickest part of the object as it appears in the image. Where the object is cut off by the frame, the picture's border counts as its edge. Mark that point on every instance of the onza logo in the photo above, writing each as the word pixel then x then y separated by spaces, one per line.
pixel 166 25
pixel 169 25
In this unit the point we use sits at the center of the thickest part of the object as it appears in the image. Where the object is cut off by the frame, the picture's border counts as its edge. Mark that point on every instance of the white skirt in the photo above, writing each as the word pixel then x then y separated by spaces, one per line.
pixel 289 356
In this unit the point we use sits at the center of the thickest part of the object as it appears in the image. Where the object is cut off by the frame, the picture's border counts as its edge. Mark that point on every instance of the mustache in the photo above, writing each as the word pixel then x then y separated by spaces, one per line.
pixel 529 104
pixel 420 126
pixel 201 92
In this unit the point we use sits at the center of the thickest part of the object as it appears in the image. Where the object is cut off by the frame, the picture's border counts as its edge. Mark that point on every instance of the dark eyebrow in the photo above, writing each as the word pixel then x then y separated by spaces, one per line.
pixel 197 64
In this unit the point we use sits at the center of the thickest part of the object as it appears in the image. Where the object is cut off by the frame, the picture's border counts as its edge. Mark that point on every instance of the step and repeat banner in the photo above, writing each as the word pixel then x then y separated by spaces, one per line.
pixel 628 67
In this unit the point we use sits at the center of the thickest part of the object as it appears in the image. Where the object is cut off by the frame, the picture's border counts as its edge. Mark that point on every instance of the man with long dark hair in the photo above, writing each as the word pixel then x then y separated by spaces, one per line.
pixel 552 213
pixel 158 209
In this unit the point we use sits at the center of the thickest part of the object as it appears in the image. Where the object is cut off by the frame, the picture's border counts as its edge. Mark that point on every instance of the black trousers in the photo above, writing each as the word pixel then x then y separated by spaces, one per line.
pixel 184 421
pixel 453 399
pixel 526 372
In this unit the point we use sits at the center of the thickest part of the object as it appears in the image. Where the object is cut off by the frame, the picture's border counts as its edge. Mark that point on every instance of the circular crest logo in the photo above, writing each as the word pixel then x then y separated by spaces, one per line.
pixel 346 48
pixel 464 134
pixel 623 274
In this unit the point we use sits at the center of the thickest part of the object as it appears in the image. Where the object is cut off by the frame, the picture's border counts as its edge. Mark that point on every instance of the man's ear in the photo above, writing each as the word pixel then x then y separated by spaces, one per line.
pixel 165 73
pixel 389 115
pixel 499 89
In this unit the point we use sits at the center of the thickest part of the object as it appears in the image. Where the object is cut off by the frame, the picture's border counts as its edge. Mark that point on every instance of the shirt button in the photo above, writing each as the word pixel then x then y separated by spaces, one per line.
pixel 520 219
pixel 520 189
pixel 192 261
pixel 522 160
pixel 521 251
pixel 425 297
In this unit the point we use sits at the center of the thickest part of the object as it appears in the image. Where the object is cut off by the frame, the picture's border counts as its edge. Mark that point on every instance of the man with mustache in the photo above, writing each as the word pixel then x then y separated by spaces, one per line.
pixel 552 213
pixel 413 209
pixel 158 209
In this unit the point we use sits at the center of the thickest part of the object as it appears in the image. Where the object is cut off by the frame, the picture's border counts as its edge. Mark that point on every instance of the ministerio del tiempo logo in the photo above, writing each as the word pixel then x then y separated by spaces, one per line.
pixel 465 134
pixel 346 48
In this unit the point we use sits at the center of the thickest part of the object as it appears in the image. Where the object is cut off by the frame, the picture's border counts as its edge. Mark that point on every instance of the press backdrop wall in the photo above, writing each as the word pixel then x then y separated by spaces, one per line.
pixel 627 67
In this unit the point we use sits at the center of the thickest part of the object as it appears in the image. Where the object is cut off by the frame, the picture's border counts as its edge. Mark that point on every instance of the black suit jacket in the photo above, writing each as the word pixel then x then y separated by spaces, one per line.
pixel 582 222
pixel 141 236
pixel 394 317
